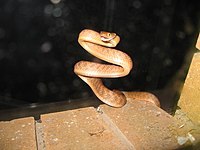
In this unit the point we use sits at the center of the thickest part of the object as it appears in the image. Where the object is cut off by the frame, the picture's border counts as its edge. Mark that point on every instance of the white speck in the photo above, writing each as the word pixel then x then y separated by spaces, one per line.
pixel 55 139
pixel 147 127
pixel 17 131
pixel 126 132
pixel 158 113
pixel 181 126
pixel 33 105
pixel 99 110
pixel 77 141
pixel 191 138
pixel 23 125
pixel 182 140
pixel 87 117
pixel 13 139
pixel 69 125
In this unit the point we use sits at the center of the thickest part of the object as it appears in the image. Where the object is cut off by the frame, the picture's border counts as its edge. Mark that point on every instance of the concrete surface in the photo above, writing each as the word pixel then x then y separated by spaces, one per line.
pixel 190 96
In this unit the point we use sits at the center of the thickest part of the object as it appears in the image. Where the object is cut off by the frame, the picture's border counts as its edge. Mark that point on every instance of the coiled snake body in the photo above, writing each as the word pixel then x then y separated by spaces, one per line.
pixel 99 45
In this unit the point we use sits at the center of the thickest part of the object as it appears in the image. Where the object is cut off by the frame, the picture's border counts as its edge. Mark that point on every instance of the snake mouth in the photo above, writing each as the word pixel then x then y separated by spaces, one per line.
pixel 107 36
pixel 111 39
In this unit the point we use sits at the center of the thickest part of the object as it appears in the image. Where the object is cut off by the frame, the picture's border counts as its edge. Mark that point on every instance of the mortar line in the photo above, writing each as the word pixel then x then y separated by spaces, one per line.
pixel 40 143
pixel 115 129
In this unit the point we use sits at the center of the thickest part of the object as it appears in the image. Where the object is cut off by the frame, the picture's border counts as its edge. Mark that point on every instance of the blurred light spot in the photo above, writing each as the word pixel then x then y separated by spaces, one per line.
pixel 180 34
pixel 84 94
pixel 189 27
pixel 166 20
pixel 46 47
pixel 131 26
pixel 137 4
pixel 76 82
pixel 57 12
pixel 48 9
pixel 156 50
pixel 55 1
pixel 167 62
pixel 53 88
pixel 145 45
pixel 2 33
pixel 33 105
pixel 42 88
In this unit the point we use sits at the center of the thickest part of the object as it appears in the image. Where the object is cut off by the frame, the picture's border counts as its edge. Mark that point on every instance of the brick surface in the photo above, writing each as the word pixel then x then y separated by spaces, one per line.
pixel 146 126
pixel 198 42
pixel 190 97
pixel 138 125
pixel 78 129
pixel 18 134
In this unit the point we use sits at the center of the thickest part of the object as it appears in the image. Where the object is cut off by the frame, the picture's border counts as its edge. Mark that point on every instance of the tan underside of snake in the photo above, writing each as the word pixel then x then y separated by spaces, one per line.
pixel 99 45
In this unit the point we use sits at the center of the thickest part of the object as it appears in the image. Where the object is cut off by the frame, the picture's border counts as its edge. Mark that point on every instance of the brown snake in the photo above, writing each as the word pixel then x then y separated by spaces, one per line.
pixel 98 44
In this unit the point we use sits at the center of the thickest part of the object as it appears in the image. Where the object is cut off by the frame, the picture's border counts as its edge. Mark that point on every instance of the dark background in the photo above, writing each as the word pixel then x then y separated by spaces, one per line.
pixel 38 46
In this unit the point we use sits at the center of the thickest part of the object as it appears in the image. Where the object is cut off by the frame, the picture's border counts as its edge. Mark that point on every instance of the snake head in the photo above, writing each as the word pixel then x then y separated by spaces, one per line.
pixel 107 36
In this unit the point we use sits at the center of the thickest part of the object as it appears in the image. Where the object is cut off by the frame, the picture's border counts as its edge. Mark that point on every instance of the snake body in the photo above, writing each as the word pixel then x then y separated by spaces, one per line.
pixel 101 46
